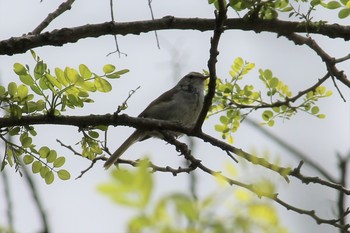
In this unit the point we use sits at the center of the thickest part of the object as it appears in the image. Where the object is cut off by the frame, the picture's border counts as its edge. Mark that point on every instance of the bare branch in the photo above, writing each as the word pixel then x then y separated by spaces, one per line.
pixel 62 36
pixel 273 196
pixel 330 61
pixel 298 154
pixel 307 179
pixel 114 36
pixel 60 10
pixel 220 18
pixel 152 15
pixel 91 166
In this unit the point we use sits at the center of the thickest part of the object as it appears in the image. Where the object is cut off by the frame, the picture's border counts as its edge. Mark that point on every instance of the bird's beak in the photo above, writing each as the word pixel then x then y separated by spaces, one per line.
pixel 206 76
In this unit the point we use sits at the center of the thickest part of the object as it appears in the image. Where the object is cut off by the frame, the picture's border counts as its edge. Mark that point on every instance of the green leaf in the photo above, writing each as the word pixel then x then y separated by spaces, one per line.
pixel 40 105
pixel 93 134
pixel 268 74
pixel 61 77
pixel 26 141
pixel 333 5
pixel 321 116
pixel 271 123
pixel 27 159
pixel 71 75
pixel 85 71
pixel 89 86
pixel 102 85
pixel 36 166
pixel 109 68
pixel 14 131
pixel 43 171
pixel 44 152
pixel 22 91
pixel 274 82
pixel 53 81
pixel 39 70
pixel 315 110
pixel 224 120
pixel 267 115
pixel 63 174
pixel 49 177
pixel 52 156
pixel 12 88
pixel 36 89
pixel 219 128
pixel 26 79
pixel 59 162
pixel 19 69
pixel 2 90
pixel 344 13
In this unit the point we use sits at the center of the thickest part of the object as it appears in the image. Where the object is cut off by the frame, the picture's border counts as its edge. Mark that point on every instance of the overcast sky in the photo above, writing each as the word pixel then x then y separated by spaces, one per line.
pixel 75 205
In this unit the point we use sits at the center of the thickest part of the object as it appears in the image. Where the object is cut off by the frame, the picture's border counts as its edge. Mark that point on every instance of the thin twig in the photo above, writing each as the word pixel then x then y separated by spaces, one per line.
pixel 114 36
pixel 125 102
pixel 91 166
pixel 50 17
pixel 316 180
pixel 338 90
pixel 69 148
pixel 152 15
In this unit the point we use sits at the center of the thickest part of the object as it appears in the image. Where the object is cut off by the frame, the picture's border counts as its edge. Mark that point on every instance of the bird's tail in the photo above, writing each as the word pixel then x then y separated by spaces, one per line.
pixel 128 142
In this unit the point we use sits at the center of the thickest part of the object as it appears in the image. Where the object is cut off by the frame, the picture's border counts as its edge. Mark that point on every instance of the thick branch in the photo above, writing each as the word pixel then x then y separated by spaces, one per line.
pixel 63 36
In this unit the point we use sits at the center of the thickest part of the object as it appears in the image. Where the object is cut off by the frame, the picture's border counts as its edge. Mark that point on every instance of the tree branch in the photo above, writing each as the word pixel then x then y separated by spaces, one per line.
pixel 59 37
pixel 298 154
pixel 329 61
pixel 60 10
pixel 220 17
pixel 260 193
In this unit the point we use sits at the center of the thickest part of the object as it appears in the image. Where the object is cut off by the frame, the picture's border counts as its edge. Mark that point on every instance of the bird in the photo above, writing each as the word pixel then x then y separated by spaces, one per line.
pixel 182 104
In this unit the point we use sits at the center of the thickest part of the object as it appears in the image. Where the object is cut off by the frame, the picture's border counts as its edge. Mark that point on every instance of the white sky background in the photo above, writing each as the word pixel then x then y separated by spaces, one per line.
pixel 75 205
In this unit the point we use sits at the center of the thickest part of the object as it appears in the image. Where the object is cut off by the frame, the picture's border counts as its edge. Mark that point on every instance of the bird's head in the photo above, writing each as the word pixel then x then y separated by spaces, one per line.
pixel 193 79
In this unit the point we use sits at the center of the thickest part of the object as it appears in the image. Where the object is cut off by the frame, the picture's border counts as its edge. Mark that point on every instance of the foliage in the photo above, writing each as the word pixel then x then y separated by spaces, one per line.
pixel 269 10
pixel 233 101
pixel 225 210
pixel 45 93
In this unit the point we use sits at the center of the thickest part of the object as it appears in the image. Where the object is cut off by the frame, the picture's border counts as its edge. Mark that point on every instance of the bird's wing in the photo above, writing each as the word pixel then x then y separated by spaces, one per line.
pixel 152 110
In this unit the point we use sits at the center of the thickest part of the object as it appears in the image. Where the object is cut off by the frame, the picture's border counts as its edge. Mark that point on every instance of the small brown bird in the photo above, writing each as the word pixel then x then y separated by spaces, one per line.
pixel 183 103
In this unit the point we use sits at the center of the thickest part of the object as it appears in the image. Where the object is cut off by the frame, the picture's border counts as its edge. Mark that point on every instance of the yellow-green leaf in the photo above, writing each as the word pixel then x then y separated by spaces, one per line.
pixel 49 177
pixel 109 68
pixel 102 84
pixel 63 174
pixel 12 88
pixel 85 71
pixel 59 162
pixel 36 166
pixel 19 69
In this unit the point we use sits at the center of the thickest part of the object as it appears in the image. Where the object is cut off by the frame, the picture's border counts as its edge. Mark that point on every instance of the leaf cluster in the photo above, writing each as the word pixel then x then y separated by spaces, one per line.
pixel 269 10
pixel 225 210
pixel 45 93
pixel 233 101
